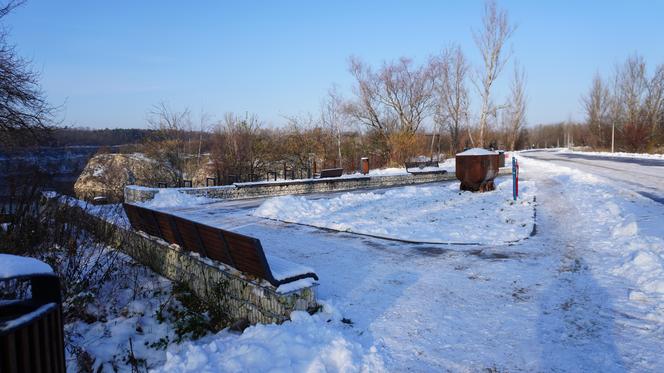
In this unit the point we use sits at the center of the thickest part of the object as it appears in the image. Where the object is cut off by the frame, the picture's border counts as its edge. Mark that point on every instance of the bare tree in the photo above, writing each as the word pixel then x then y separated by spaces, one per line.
pixel 170 142
pixel 452 98
pixel 367 108
pixel 516 107
pixel 628 113
pixel 240 146
pixel 632 88
pixel 407 92
pixel 24 113
pixel 655 101
pixel 393 102
pixel 335 118
pixel 491 39
pixel 204 120
pixel 597 105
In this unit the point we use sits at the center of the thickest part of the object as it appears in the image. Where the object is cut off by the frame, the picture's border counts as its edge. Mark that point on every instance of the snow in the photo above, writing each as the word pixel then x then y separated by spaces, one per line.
pixel 586 293
pixel 112 213
pixel 13 323
pixel 432 214
pixel 172 197
pixel 476 151
pixel 283 269
pixel 304 344
pixel 15 266
pixel 125 310
pixel 99 171
pixel 296 285
pixel 616 154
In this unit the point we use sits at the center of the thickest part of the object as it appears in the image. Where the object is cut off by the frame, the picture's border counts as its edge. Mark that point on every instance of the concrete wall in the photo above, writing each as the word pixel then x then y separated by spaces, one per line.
pixel 266 189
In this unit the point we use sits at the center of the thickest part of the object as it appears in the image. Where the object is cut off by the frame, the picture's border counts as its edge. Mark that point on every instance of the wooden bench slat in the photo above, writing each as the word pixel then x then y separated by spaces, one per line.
pixel 421 165
pixel 244 253
pixel 214 244
pixel 189 237
pixel 166 229
pixel 331 172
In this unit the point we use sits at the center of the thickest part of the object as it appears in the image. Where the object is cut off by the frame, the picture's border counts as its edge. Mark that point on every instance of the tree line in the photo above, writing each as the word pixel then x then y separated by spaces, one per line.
pixel 625 110
pixel 396 111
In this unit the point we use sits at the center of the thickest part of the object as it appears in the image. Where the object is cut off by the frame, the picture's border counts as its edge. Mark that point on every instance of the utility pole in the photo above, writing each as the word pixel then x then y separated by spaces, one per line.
pixel 613 135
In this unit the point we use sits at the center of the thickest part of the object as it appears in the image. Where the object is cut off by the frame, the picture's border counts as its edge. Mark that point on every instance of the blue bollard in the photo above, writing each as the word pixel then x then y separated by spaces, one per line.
pixel 514 185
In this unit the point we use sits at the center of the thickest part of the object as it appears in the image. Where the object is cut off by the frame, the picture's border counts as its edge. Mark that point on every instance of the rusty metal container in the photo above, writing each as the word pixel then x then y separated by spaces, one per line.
pixel 365 165
pixel 476 169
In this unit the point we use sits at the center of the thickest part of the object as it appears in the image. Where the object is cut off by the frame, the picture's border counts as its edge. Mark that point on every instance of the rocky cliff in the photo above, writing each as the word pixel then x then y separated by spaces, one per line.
pixel 106 175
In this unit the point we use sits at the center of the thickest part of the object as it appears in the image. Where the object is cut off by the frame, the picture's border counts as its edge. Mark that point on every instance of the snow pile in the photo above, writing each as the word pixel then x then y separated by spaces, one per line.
pixel 14 266
pixel 172 197
pixel 283 269
pixel 432 214
pixel 617 154
pixel 476 151
pixel 304 344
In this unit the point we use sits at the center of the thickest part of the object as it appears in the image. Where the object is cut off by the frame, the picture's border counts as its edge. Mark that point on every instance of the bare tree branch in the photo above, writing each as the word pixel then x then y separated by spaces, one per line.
pixel 490 40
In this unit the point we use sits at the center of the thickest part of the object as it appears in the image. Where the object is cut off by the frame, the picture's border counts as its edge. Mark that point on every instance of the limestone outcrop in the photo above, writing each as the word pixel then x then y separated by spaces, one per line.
pixel 106 175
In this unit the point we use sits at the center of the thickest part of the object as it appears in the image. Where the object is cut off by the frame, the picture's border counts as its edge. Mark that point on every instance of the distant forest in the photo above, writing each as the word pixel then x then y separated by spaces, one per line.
pixel 98 137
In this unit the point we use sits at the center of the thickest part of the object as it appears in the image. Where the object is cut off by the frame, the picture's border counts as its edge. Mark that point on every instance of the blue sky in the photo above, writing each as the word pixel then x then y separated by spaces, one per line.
pixel 107 63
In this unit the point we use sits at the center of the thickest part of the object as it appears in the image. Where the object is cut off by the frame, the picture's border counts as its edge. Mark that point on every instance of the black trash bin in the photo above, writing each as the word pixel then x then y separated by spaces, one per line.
pixel 31 332
pixel 501 158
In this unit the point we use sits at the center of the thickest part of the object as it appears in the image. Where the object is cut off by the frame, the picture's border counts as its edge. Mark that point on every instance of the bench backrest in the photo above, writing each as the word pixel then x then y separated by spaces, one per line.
pixel 331 172
pixel 421 164
pixel 241 252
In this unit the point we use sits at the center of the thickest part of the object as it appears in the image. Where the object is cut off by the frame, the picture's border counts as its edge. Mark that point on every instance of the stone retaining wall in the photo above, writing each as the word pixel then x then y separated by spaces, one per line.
pixel 217 285
pixel 265 189
pixel 224 287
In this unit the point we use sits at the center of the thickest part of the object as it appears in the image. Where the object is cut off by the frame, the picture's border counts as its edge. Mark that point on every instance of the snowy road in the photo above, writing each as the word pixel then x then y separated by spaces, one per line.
pixel 645 176
pixel 585 294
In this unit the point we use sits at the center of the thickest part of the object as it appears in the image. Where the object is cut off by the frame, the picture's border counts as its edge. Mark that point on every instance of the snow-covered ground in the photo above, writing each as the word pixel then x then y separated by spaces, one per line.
pixel 615 154
pixel 586 293
pixel 304 344
pixel 642 175
pixel 123 322
pixel 433 213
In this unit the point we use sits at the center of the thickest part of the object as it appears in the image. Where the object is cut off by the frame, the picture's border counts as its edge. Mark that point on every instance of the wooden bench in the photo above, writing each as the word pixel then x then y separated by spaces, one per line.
pixel 422 165
pixel 241 252
pixel 331 172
